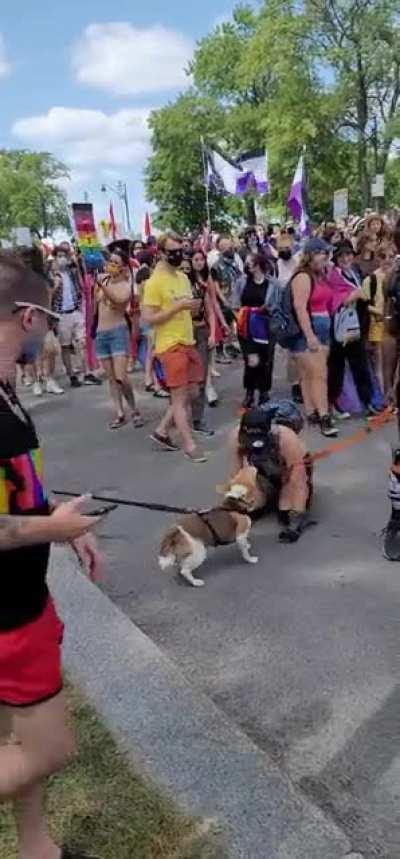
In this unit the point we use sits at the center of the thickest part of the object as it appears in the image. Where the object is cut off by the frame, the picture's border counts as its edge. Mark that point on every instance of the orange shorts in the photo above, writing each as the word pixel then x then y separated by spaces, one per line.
pixel 182 366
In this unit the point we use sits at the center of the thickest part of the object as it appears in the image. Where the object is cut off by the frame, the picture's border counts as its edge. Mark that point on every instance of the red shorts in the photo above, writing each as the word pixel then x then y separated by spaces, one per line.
pixel 182 366
pixel 30 660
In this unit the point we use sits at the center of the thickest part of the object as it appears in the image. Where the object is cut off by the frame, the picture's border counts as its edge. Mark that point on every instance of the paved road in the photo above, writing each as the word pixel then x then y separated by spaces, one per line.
pixel 301 651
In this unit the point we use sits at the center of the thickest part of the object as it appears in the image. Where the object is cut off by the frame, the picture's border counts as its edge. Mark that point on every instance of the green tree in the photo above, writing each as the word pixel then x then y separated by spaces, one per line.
pixel 320 73
pixel 29 192
pixel 358 43
pixel 175 173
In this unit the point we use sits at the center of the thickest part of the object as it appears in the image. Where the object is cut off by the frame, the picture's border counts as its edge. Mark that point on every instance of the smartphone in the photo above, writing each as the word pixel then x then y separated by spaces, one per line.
pixel 102 511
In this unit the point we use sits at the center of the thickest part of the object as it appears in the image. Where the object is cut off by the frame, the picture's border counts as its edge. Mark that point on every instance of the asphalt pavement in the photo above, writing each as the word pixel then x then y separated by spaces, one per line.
pixel 300 651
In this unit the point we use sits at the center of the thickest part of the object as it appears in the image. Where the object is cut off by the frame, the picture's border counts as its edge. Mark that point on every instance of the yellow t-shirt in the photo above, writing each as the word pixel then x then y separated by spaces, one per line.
pixel 161 291
pixel 376 326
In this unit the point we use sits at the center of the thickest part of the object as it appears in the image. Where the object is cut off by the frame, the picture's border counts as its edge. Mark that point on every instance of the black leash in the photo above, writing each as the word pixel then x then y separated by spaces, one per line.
pixel 147 505
pixel 163 508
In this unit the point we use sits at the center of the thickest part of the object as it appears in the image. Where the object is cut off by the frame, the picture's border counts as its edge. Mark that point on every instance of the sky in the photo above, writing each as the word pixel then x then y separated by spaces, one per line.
pixel 78 79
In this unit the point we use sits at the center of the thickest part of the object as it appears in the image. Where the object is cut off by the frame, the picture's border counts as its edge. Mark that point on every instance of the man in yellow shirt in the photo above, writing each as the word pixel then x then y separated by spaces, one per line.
pixel 167 306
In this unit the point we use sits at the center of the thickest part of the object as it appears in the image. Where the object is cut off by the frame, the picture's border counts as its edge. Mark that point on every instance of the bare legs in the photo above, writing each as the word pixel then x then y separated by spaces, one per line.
pixel 178 414
pixel 313 372
pixel 45 745
pixel 120 386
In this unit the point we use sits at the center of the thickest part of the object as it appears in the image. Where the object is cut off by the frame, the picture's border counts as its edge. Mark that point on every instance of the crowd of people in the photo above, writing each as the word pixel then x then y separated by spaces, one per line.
pixel 184 305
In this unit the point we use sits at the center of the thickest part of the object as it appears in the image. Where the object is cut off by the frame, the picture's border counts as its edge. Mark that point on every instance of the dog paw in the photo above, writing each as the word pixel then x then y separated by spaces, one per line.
pixel 198 583
pixel 253 559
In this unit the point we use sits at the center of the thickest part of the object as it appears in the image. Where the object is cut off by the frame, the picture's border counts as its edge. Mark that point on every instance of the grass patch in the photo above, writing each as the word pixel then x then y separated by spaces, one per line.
pixel 99 805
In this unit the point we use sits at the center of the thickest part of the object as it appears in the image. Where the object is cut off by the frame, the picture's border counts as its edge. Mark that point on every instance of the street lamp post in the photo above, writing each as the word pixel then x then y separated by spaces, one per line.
pixel 122 192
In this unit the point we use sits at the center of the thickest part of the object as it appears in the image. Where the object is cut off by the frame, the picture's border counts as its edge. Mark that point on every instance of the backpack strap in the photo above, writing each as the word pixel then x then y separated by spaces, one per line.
pixel 373 286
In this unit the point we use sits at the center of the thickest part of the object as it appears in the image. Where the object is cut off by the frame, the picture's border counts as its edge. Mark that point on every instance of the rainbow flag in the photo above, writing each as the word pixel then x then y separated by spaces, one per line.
pixel 86 234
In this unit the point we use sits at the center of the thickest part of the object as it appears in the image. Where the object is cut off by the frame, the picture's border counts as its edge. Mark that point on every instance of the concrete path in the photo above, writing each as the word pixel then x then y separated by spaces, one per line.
pixel 300 652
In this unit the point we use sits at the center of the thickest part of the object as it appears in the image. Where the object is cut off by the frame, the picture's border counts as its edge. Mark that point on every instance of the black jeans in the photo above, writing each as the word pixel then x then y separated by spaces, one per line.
pixel 258 365
pixel 356 355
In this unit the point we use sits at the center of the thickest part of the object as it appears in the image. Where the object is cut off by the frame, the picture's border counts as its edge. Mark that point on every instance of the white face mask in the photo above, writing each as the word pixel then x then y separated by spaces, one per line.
pixel 62 263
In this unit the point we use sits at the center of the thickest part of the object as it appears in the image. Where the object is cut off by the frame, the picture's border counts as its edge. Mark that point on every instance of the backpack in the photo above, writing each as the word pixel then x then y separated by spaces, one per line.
pixel 283 323
pixel 258 444
pixel 346 325
pixel 262 418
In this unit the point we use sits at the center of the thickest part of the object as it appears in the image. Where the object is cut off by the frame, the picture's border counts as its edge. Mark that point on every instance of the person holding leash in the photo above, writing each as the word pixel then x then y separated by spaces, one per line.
pixel 32 701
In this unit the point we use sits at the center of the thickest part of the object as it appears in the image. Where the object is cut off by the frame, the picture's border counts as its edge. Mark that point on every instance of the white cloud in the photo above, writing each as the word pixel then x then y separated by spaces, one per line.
pixel 5 66
pixel 127 60
pixel 86 138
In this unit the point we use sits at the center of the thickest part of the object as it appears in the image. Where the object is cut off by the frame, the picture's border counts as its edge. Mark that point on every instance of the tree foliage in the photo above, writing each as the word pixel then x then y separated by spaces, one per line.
pixel 29 192
pixel 320 73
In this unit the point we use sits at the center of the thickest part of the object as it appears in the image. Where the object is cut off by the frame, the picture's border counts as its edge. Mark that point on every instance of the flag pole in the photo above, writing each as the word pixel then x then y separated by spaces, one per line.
pixel 203 153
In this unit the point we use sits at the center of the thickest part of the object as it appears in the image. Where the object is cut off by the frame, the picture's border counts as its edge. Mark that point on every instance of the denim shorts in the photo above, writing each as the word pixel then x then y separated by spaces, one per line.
pixel 113 342
pixel 321 326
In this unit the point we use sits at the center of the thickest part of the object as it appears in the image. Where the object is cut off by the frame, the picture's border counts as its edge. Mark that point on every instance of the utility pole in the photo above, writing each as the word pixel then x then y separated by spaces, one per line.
pixel 123 193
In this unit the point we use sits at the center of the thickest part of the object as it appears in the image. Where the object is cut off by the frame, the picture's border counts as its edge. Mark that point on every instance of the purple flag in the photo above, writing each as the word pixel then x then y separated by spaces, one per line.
pixel 255 173
pixel 297 198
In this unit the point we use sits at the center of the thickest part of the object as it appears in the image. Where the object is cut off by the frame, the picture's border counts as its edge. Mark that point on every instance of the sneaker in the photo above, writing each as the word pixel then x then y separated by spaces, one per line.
pixel 91 379
pixel 196 455
pixel 164 441
pixel 202 429
pixel 340 415
pixel 75 383
pixel 328 428
pixel 223 359
pixel 52 387
pixel 372 410
pixel 37 389
pixel 313 419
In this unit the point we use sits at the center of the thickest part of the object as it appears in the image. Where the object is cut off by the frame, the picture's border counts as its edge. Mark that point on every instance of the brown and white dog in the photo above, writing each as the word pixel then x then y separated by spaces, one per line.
pixel 186 544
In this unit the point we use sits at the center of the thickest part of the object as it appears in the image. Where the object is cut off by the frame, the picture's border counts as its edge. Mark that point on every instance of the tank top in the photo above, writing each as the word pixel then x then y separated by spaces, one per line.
pixel 23 589
pixel 320 298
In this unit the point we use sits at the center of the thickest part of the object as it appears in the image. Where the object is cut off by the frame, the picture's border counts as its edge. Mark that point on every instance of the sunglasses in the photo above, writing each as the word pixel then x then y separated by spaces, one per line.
pixel 24 305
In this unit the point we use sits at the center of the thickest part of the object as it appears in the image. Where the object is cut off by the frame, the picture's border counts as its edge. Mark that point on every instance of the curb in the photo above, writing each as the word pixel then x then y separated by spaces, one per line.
pixel 178 737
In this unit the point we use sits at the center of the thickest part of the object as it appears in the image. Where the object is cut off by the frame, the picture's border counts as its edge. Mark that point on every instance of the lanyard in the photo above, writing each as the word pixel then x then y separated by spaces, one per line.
pixel 9 396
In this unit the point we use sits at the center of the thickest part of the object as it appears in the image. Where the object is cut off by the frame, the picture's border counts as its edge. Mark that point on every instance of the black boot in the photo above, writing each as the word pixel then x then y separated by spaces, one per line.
pixel 248 401
pixel 296 525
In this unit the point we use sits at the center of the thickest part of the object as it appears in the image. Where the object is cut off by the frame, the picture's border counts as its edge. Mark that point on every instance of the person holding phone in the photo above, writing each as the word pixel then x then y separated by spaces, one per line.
pixel 32 701
pixel 168 306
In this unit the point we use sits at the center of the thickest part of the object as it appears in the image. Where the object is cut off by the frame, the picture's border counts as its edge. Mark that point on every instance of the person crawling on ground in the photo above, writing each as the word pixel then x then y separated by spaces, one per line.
pixel 267 439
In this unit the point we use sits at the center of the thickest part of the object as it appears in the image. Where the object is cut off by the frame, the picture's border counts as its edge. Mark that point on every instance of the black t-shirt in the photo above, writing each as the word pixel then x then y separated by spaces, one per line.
pixel 254 294
pixel 23 589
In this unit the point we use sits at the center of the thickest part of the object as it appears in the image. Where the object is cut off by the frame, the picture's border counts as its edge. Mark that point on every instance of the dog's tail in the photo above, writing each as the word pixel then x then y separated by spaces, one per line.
pixel 167 556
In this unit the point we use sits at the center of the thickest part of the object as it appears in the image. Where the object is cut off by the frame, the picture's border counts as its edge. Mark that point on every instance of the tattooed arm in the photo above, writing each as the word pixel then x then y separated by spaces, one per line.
pixel 65 524
pixel 16 531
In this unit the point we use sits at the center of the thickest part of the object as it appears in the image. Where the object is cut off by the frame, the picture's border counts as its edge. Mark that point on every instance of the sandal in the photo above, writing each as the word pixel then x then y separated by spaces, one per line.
pixel 137 420
pixel 117 423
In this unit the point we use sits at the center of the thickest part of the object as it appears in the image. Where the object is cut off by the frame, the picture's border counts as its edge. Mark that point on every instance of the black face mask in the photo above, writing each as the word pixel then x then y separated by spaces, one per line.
pixel 285 254
pixel 175 258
